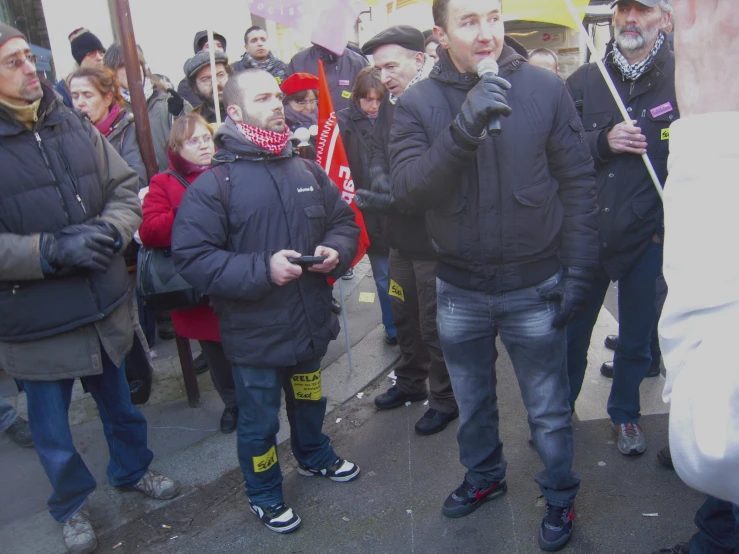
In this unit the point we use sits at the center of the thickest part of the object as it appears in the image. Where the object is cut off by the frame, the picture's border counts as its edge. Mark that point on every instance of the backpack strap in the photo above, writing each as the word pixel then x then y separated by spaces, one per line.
pixel 177 176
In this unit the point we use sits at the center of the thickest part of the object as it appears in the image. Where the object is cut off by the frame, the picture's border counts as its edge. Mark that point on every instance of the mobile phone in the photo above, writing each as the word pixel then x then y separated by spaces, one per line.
pixel 307 261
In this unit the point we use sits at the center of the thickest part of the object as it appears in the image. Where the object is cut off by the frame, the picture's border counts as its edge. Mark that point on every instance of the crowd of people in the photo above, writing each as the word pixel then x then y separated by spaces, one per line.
pixel 500 205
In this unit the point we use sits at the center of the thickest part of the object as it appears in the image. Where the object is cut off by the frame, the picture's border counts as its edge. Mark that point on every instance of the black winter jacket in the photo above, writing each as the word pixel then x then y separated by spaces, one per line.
pixel 340 71
pixel 630 208
pixel 405 232
pixel 51 180
pixel 226 231
pixel 356 131
pixel 508 214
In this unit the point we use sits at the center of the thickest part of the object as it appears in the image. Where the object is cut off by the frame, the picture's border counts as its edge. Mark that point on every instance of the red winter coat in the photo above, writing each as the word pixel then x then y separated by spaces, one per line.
pixel 160 206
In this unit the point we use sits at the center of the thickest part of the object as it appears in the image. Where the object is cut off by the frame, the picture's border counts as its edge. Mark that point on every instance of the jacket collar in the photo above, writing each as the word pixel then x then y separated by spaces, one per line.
pixel 664 61
pixel 232 146
pixel 447 73
pixel 50 112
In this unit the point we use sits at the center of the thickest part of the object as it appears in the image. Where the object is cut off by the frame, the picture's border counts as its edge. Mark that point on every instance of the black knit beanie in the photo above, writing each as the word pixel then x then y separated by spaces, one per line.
pixel 83 42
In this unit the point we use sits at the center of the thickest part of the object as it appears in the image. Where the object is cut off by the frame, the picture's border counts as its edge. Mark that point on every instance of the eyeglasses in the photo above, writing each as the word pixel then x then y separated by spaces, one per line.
pixel 308 103
pixel 195 142
pixel 18 62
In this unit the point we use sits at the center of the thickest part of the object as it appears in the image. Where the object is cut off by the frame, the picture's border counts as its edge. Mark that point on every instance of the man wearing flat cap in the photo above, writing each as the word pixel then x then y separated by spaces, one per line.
pixel 631 221
pixel 399 54
pixel 491 148
pixel 200 79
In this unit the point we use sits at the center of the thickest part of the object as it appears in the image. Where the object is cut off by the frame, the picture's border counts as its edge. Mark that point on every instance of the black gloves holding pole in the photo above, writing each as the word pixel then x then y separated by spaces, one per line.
pixel 90 246
pixel 484 102
pixel 573 292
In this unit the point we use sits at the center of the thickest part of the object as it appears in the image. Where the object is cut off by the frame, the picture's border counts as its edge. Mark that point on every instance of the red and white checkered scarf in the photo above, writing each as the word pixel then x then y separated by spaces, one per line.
pixel 264 139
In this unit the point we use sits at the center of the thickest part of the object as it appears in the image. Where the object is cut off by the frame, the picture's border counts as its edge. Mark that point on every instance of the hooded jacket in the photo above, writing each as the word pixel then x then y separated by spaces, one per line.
pixel 230 222
pixel 508 213
pixel 51 327
pixel 630 208
pixel 123 138
pixel 341 71
pixel 356 132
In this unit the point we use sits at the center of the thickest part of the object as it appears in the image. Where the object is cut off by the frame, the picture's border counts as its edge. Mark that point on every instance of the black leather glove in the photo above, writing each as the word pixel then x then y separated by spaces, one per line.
pixel 573 291
pixel 175 103
pixel 77 246
pixel 369 201
pixel 485 100
pixel 109 229
pixel 380 196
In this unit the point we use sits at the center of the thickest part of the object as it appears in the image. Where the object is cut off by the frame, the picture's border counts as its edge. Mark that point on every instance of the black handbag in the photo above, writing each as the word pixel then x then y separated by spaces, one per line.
pixel 158 283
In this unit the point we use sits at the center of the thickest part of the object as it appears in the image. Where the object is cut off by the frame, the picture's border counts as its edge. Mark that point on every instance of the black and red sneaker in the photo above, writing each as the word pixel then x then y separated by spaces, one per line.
pixel 467 497
pixel 556 527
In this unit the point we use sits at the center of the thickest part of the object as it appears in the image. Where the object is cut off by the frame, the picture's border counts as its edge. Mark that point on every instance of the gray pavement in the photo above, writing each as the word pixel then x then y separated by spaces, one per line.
pixel 395 506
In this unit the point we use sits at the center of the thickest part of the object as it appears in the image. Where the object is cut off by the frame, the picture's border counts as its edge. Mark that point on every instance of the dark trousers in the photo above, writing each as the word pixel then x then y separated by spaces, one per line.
pixel 637 295
pixel 415 321
pixel 220 371
pixel 718 528
pixel 124 427
pixel 259 392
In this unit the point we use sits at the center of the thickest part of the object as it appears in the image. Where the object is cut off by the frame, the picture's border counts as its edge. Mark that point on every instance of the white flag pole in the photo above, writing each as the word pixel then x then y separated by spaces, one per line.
pixel 346 327
pixel 622 108
pixel 213 78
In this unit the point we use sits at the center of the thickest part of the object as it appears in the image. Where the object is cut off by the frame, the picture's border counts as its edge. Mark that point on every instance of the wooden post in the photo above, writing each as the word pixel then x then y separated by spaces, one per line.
pixel 136 87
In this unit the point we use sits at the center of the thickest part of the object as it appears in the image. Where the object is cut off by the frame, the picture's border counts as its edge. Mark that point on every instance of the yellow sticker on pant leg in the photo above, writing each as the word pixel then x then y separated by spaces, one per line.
pixel 396 290
pixel 265 461
pixel 307 386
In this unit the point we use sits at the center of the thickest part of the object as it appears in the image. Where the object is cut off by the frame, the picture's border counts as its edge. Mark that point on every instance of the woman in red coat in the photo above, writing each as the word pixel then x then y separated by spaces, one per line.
pixel 189 150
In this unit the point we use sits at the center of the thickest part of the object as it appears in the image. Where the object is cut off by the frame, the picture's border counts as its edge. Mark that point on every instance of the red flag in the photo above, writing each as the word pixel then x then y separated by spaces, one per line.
pixel 330 154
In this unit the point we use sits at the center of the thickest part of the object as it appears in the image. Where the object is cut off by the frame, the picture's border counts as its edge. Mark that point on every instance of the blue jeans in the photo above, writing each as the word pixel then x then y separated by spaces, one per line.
pixel 380 272
pixel 8 414
pixel 469 322
pixel 123 425
pixel 718 528
pixel 258 393
pixel 637 317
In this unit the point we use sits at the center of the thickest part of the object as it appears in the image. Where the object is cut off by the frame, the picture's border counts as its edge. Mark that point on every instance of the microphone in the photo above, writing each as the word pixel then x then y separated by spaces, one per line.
pixel 486 69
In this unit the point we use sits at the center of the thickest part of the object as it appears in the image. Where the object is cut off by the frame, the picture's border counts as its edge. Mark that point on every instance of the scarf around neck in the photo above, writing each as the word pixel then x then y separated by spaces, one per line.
pixel 268 64
pixel 105 126
pixel 26 114
pixel 428 65
pixel 633 72
pixel 270 141
pixel 298 119
pixel 148 90
pixel 183 167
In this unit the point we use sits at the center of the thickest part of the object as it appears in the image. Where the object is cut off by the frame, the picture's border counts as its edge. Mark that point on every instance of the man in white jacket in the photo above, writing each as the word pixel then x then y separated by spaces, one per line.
pixel 697 329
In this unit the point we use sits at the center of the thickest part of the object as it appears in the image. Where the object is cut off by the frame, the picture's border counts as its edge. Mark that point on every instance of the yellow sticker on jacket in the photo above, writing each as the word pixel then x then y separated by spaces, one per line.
pixel 368 297
pixel 346 94
pixel 307 386
pixel 396 290
pixel 666 134
pixel 265 461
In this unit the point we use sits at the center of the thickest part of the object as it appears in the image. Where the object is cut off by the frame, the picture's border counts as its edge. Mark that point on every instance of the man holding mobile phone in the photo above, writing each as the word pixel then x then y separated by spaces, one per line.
pixel 239 236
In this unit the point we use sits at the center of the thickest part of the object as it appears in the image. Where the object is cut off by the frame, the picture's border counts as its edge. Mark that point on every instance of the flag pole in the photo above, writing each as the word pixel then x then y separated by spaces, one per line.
pixel 621 106
pixel 213 78
pixel 346 327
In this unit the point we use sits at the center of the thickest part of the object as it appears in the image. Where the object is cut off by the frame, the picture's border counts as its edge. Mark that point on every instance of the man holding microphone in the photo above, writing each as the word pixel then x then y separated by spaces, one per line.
pixel 500 165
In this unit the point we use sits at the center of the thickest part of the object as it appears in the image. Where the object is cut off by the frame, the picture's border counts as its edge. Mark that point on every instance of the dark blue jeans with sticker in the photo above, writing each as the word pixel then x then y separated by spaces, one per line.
pixel 258 393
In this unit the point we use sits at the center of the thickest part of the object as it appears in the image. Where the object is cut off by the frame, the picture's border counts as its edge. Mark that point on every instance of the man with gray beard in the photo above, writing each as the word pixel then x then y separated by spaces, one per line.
pixel 631 221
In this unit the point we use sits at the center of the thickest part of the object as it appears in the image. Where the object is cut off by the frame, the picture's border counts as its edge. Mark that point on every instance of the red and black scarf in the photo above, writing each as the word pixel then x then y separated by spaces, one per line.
pixel 266 140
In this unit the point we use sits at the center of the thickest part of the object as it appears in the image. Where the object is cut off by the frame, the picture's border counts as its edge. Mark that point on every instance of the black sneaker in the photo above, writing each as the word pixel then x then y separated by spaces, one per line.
pixel 335 306
pixel 20 433
pixel 395 398
pixel 467 498
pixel 229 420
pixel 664 457
pixel 434 421
pixel 556 527
pixel 606 370
pixel 340 471
pixel 278 518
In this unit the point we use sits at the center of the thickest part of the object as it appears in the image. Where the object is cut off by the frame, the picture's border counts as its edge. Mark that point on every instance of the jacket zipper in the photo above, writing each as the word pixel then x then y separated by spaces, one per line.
pixel 73 181
pixel 53 177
